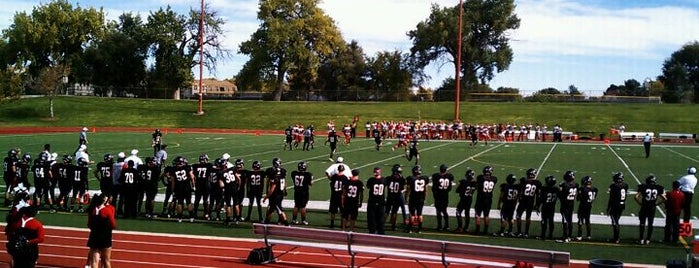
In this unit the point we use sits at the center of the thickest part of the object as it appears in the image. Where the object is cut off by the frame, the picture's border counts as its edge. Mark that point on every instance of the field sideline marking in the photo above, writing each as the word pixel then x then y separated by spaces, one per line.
pixel 681 154
pixel 476 155
pixel 633 175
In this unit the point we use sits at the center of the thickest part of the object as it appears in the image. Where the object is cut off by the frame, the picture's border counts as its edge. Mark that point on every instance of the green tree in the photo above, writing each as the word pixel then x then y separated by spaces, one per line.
pixel 390 76
pixel 681 74
pixel 52 34
pixel 294 35
pixel 485 44
pixel 573 90
pixel 343 76
pixel 10 77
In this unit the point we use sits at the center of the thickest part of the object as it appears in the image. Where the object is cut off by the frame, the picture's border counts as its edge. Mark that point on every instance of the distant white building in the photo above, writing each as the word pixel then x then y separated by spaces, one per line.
pixel 211 88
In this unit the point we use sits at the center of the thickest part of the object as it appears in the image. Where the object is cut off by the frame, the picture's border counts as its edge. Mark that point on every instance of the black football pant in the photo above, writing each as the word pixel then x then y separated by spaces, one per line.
pixel 375 218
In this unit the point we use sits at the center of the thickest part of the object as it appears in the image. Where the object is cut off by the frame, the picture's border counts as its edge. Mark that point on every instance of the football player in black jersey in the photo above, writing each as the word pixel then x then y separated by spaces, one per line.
pixel 23 169
pixel 332 139
pixel 649 196
pixel 376 134
pixel 41 170
pixel 528 195
pixel 9 173
pixel 441 186
pixel 64 172
pixel 157 141
pixel 240 196
pixel 337 183
pixel 507 203
pixel 202 172
pixel 352 196
pixel 129 180
pixel 103 173
pixel 376 202
pixel 288 138
pixel 413 151
pixel 276 189
pixel 182 182
pixel 394 197
pixel 586 195
pixel 416 193
pixel 150 172
pixel 485 185
pixel 465 190
pixel 303 180
pixel 617 202
pixel 547 205
pixel 255 184
pixel 567 194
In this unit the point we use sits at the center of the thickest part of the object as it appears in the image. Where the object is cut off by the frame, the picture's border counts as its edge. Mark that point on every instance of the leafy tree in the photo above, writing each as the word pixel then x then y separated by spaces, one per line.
pixel 507 90
pixel 548 91
pixel 390 76
pixel 10 78
pixel 343 76
pixel 294 35
pixel 485 47
pixel 53 34
pixel 573 90
pixel 681 74
pixel 630 87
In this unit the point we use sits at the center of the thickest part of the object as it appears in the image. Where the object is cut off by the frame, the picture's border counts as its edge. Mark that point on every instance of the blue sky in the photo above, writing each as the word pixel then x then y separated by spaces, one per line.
pixel 590 44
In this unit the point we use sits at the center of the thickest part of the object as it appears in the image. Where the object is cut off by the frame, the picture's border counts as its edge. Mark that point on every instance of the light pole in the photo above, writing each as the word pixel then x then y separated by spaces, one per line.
pixel 201 58
pixel 458 65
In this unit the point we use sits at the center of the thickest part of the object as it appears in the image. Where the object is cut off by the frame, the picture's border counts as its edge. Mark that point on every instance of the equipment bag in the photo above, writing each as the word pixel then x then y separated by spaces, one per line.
pixel 260 256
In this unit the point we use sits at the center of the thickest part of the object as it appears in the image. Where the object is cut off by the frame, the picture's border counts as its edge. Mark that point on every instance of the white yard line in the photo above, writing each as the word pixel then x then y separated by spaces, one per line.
pixel 681 154
pixel 476 155
pixel 545 159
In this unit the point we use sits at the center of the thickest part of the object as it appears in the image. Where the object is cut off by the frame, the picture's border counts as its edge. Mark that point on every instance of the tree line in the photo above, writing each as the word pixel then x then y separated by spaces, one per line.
pixel 297 52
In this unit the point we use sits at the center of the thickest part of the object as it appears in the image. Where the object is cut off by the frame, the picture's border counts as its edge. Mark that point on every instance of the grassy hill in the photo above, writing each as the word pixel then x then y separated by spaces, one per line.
pixel 92 111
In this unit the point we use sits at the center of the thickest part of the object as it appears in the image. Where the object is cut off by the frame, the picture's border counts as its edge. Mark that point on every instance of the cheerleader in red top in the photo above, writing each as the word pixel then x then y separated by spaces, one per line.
pixel 101 222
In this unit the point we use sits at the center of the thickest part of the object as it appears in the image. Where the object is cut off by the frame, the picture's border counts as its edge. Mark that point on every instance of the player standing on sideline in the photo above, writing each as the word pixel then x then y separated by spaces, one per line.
pixel 586 195
pixel 416 193
pixel 254 191
pixel 376 134
pixel 42 172
pixel 441 186
pixel 288 138
pixel 528 196
pixel 129 178
pixel 567 194
pixel 181 185
pixel 303 180
pixel 485 184
pixel 413 151
pixel 352 196
pixel 337 182
pixel 647 140
pixel 617 202
pixel 395 198
pixel 507 203
pixel 687 184
pixel 216 191
pixel 466 189
pixel 157 141
pixel 240 195
pixel 276 185
pixel 103 174
pixel 649 196
pixel 9 173
pixel 673 207
pixel 150 173
pixel 23 169
pixel 376 203
pixel 202 173
pixel 166 178
pixel 230 183
pixel 547 205
pixel 332 139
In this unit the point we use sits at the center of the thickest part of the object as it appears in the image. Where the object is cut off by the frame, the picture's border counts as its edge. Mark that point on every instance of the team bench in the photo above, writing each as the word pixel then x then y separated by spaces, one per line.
pixel 677 137
pixel 419 250
pixel 634 136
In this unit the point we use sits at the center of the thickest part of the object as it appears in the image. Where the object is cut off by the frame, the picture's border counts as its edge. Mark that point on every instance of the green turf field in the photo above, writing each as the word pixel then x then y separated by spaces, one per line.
pixel 600 161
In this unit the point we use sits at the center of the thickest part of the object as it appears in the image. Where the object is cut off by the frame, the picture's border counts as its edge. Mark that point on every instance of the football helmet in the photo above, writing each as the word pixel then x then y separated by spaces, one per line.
pixel 44 156
pixel 203 158
pixel 470 174
pixel 692 170
pixel 12 152
pixel 396 169
pixel 221 162
pixel 67 159
pixel 443 168
pixel 531 173
pixel 550 180
pixel 239 163
pixel 276 162
pixel 340 168
pixel 26 158
pixel 107 158
pixel 511 179
pixel 417 169
pixel 179 160
pixel 256 165
pixel 82 162
pixel 651 180
pixel 302 166
pixel 586 180
pixel 157 130
pixel 569 176
pixel 488 170
pixel 618 177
